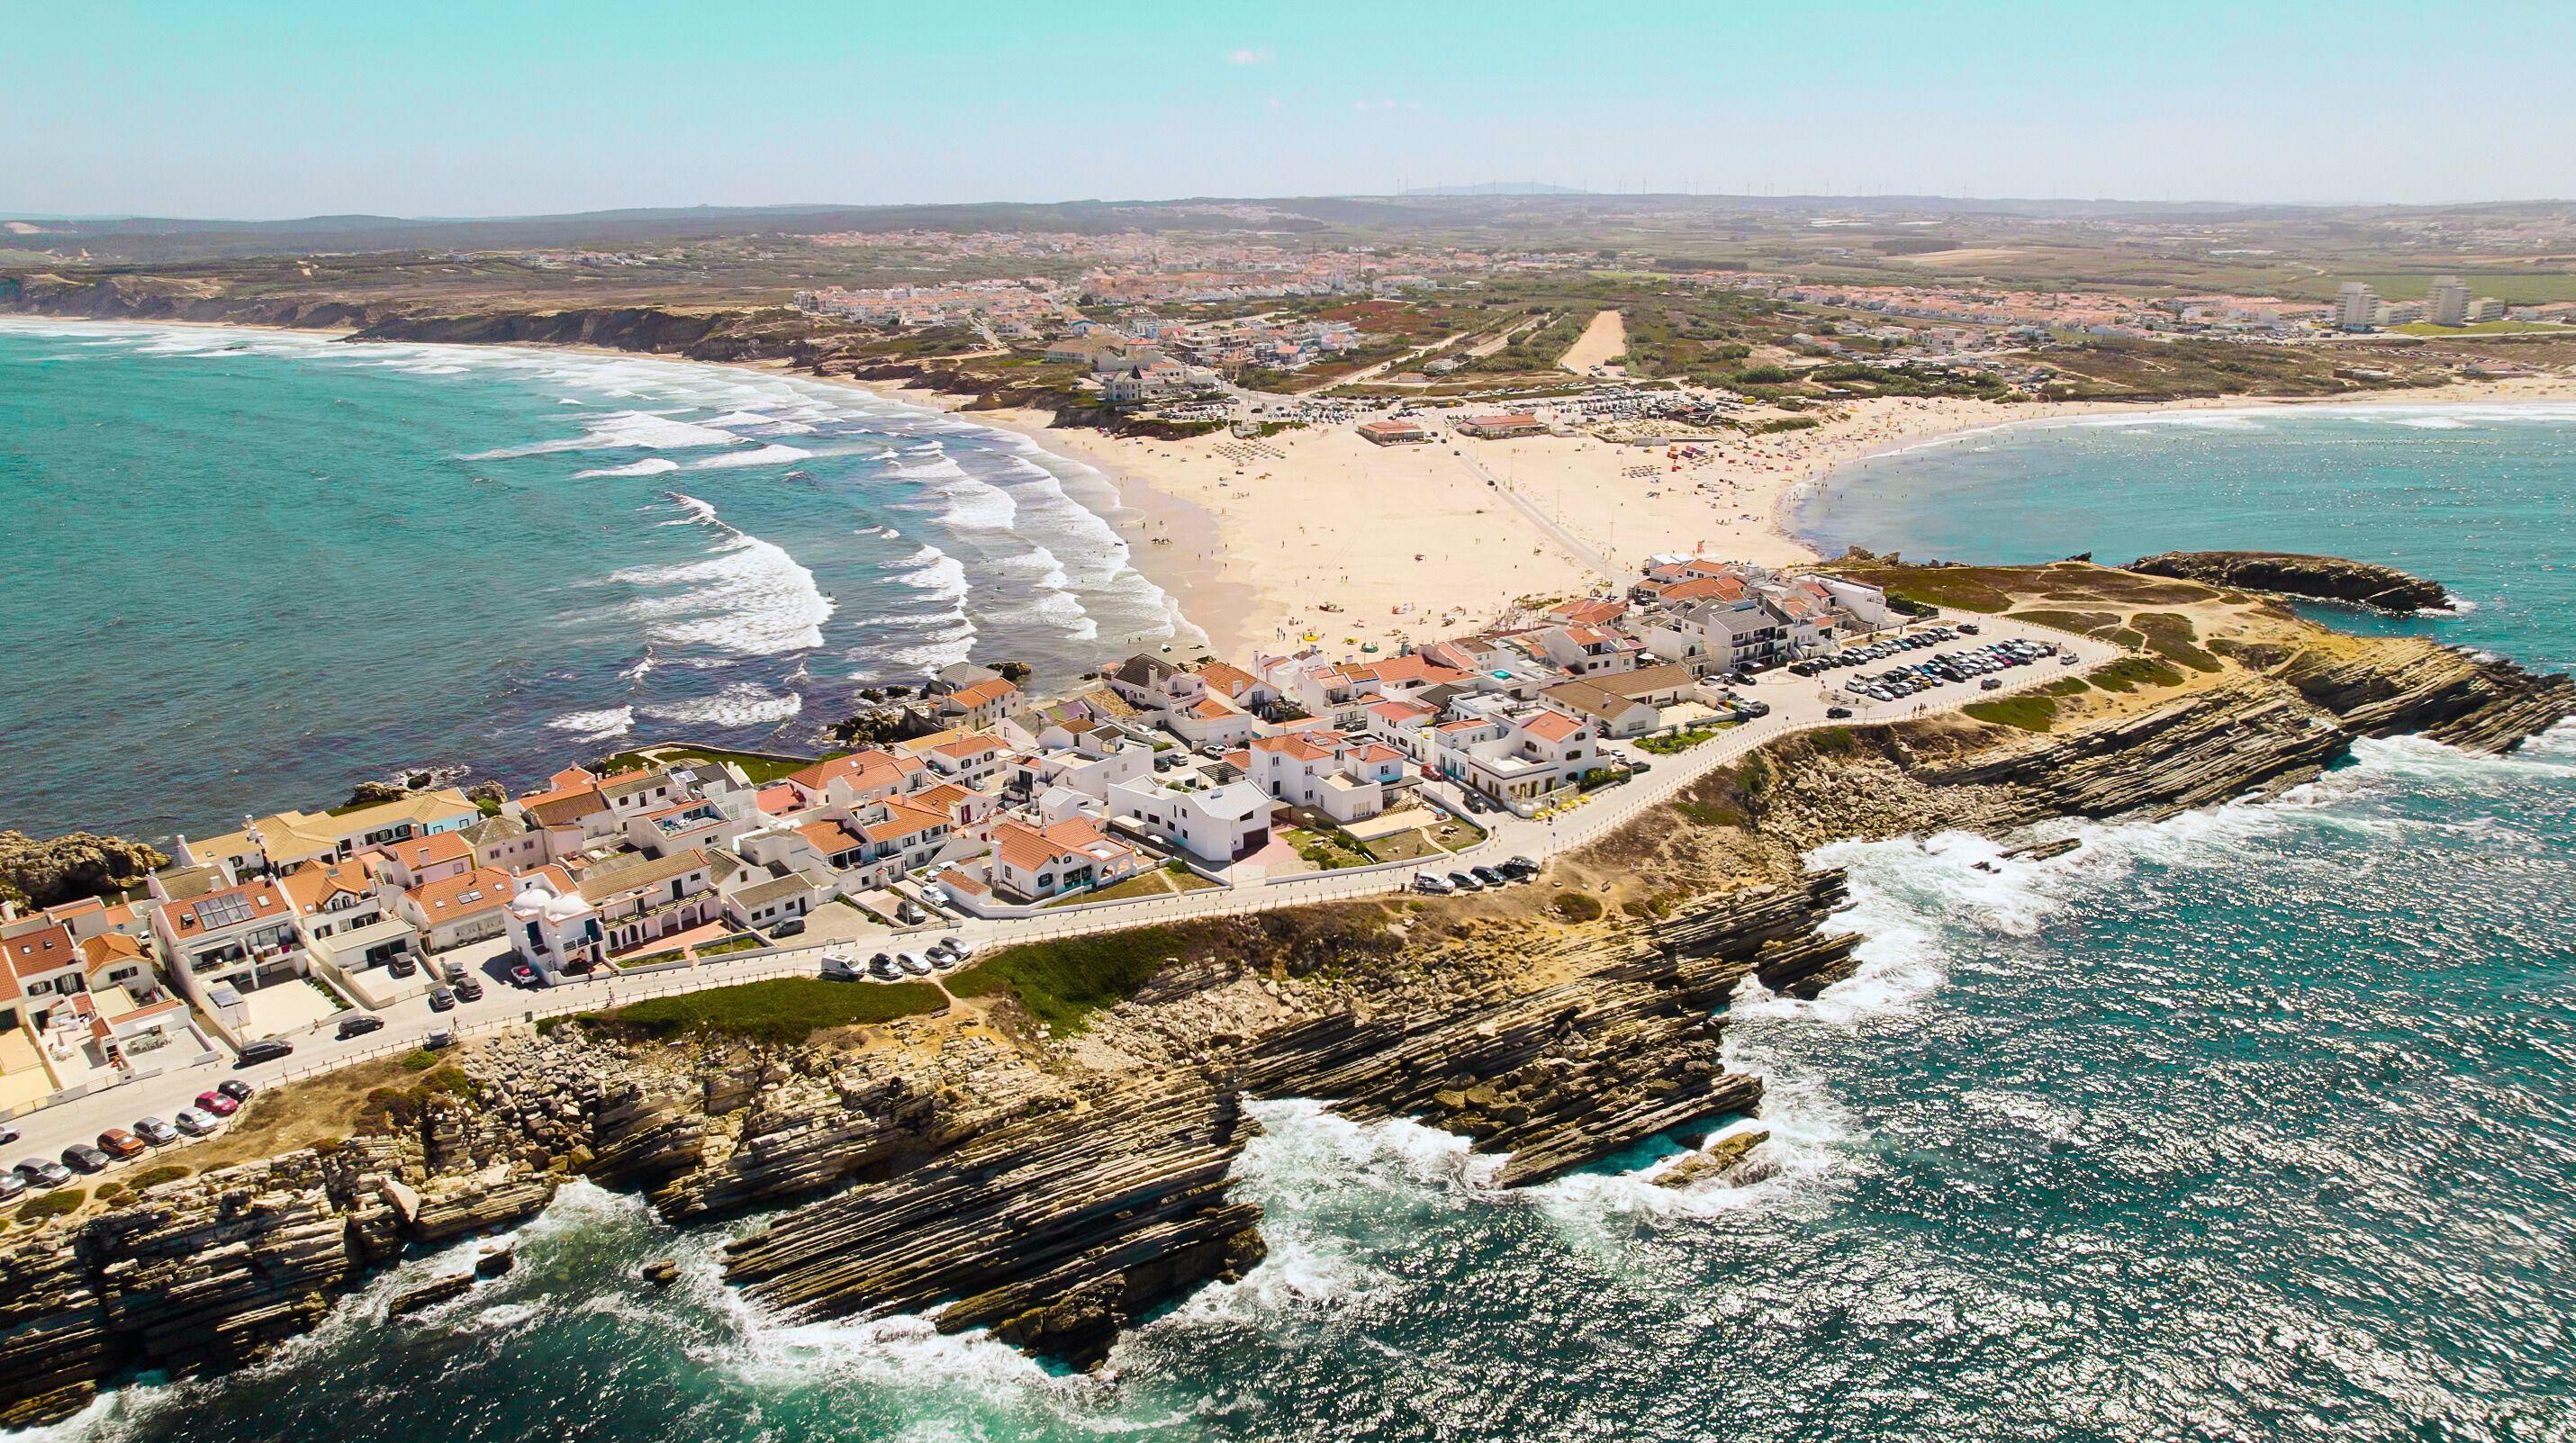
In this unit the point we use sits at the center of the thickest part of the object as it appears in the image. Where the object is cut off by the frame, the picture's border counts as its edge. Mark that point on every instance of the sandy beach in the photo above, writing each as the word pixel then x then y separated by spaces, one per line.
pixel 1320 538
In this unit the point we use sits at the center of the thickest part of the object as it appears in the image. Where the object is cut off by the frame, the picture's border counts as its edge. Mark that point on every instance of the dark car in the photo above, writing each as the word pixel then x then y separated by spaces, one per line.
pixel 792 927
pixel 359 1026
pixel 81 1157
pixel 235 1089
pixel 43 1173
pixel 1489 876
pixel 441 1000
pixel 1465 883
pixel 469 989
pixel 267 1049
pixel 401 965
pixel 454 972
pixel 1837 713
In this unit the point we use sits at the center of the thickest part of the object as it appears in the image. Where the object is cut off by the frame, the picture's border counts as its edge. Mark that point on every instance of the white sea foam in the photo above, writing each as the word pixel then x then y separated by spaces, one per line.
pixel 622 431
pixel 591 726
pixel 743 704
pixel 772 455
pixel 649 466
pixel 750 597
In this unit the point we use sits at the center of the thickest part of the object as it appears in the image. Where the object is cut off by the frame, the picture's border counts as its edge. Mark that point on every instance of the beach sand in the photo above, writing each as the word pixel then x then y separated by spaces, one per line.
pixel 1410 543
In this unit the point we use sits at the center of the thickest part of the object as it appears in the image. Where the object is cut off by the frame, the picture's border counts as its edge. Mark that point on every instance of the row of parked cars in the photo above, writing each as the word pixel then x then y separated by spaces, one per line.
pixel 119 1143
pixel 1978 664
pixel 1852 656
pixel 1476 879
pixel 939 956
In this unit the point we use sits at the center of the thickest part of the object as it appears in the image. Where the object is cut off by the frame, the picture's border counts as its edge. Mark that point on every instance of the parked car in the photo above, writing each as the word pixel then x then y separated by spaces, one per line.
pixel 884 965
pixel 360 1025
pixel 1992 683
pixel 913 962
pixel 440 1040
pixel 401 965
pixel 1968 628
pixel 792 927
pixel 441 1000
pixel 12 1187
pixel 1465 883
pixel 221 1104
pixel 81 1157
pixel 8 1134
pixel 236 1089
pixel 523 975
pixel 1432 886
pixel 195 1123
pixel 156 1132
pixel 42 1172
pixel 1489 877
pixel 468 990
pixel 266 1049
pixel 1837 713
pixel 959 948
pixel 454 972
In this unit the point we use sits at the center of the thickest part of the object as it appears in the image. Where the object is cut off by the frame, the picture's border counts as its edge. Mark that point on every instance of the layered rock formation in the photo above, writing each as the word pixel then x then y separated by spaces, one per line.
pixel 1055 1207
pixel 2315 578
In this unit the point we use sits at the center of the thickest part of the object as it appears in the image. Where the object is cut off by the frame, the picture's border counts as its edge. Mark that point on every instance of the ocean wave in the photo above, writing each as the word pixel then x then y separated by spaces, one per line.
pixel 743 704
pixel 649 466
pixel 621 431
pixel 591 726
pixel 771 455
pixel 750 597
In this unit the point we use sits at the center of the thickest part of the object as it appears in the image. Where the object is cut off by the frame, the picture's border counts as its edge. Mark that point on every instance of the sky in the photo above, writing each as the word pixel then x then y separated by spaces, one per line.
pixel 277 108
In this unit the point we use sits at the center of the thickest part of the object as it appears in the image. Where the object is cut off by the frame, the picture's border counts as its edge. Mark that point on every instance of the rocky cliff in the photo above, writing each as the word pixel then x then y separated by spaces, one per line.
pixel 1000 1188
pixel 2316 578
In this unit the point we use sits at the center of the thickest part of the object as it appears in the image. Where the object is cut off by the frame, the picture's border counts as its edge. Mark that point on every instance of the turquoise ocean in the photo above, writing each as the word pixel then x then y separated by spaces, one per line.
pixel 2253 1124
pixel 244 570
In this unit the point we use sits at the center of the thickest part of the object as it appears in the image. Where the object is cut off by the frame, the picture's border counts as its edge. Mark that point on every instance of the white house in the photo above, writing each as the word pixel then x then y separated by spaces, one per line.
pixel 1214 824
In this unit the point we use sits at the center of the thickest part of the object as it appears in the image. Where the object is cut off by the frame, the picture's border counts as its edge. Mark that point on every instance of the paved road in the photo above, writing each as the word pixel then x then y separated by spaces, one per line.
pixel 1797 704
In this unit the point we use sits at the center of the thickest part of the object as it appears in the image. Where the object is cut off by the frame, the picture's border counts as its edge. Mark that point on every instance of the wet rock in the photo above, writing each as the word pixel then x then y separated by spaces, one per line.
pixel 430 1294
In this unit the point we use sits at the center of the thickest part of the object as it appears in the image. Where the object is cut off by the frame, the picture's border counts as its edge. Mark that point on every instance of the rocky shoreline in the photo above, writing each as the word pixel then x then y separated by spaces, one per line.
pixel 1056 1195
pixel 2309 578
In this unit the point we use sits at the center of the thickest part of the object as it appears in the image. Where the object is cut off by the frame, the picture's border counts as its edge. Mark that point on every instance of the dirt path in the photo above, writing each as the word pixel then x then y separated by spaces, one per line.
pixel 1606 339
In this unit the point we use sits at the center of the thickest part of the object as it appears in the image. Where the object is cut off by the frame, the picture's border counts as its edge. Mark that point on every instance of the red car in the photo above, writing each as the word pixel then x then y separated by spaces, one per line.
pixel 217 1103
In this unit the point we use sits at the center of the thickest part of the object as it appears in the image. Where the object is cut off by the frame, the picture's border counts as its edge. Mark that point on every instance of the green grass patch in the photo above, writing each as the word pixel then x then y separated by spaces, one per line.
pixel 155 1176
pixel 1953 586
pixel 419 1060
pixel 1062 982
pixel 782 1011
pixel 1577 906
pixel 2171 635
pixel 2131 672
pixel 761 767
pixel 2082 623
pixel 2030 713
pixel 1673 743
pixel 59 1203
pixel 1711 814
pixel 651 959
pixel 731 944
pixel 2067 686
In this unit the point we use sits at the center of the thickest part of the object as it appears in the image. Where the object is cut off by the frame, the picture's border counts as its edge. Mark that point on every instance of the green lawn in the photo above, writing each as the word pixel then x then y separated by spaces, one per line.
pixel 1674 743
pixel 761 767
pixel 1062 982
pixel 650 959
pixel 730 944
pixel 2030 713
pixel 782 1011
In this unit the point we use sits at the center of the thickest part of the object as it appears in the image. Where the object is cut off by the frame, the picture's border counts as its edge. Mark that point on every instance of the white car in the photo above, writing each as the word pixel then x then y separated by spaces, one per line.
pixel 194 1123
pixel 959 949
pixel 912 962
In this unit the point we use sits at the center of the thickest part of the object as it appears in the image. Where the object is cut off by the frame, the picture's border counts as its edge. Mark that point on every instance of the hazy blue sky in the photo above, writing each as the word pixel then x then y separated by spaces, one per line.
pixel 456 107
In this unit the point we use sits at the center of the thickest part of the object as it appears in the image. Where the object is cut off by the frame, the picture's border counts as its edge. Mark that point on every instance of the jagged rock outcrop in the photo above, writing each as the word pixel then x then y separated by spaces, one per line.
pixel 38 872
pixel 2315 578
pixel 1054 1231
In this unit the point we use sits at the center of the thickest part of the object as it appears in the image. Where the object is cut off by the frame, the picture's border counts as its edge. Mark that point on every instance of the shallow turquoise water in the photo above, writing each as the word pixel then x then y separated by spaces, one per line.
pixel 245 570
pixel 2254 1124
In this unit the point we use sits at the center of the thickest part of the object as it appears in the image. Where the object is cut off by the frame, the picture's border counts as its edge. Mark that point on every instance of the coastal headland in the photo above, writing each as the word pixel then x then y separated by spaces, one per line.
pixel 1056 1184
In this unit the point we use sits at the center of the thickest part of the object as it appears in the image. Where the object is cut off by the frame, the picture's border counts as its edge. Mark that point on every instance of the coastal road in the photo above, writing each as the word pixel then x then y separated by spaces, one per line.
pixel 1797 704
